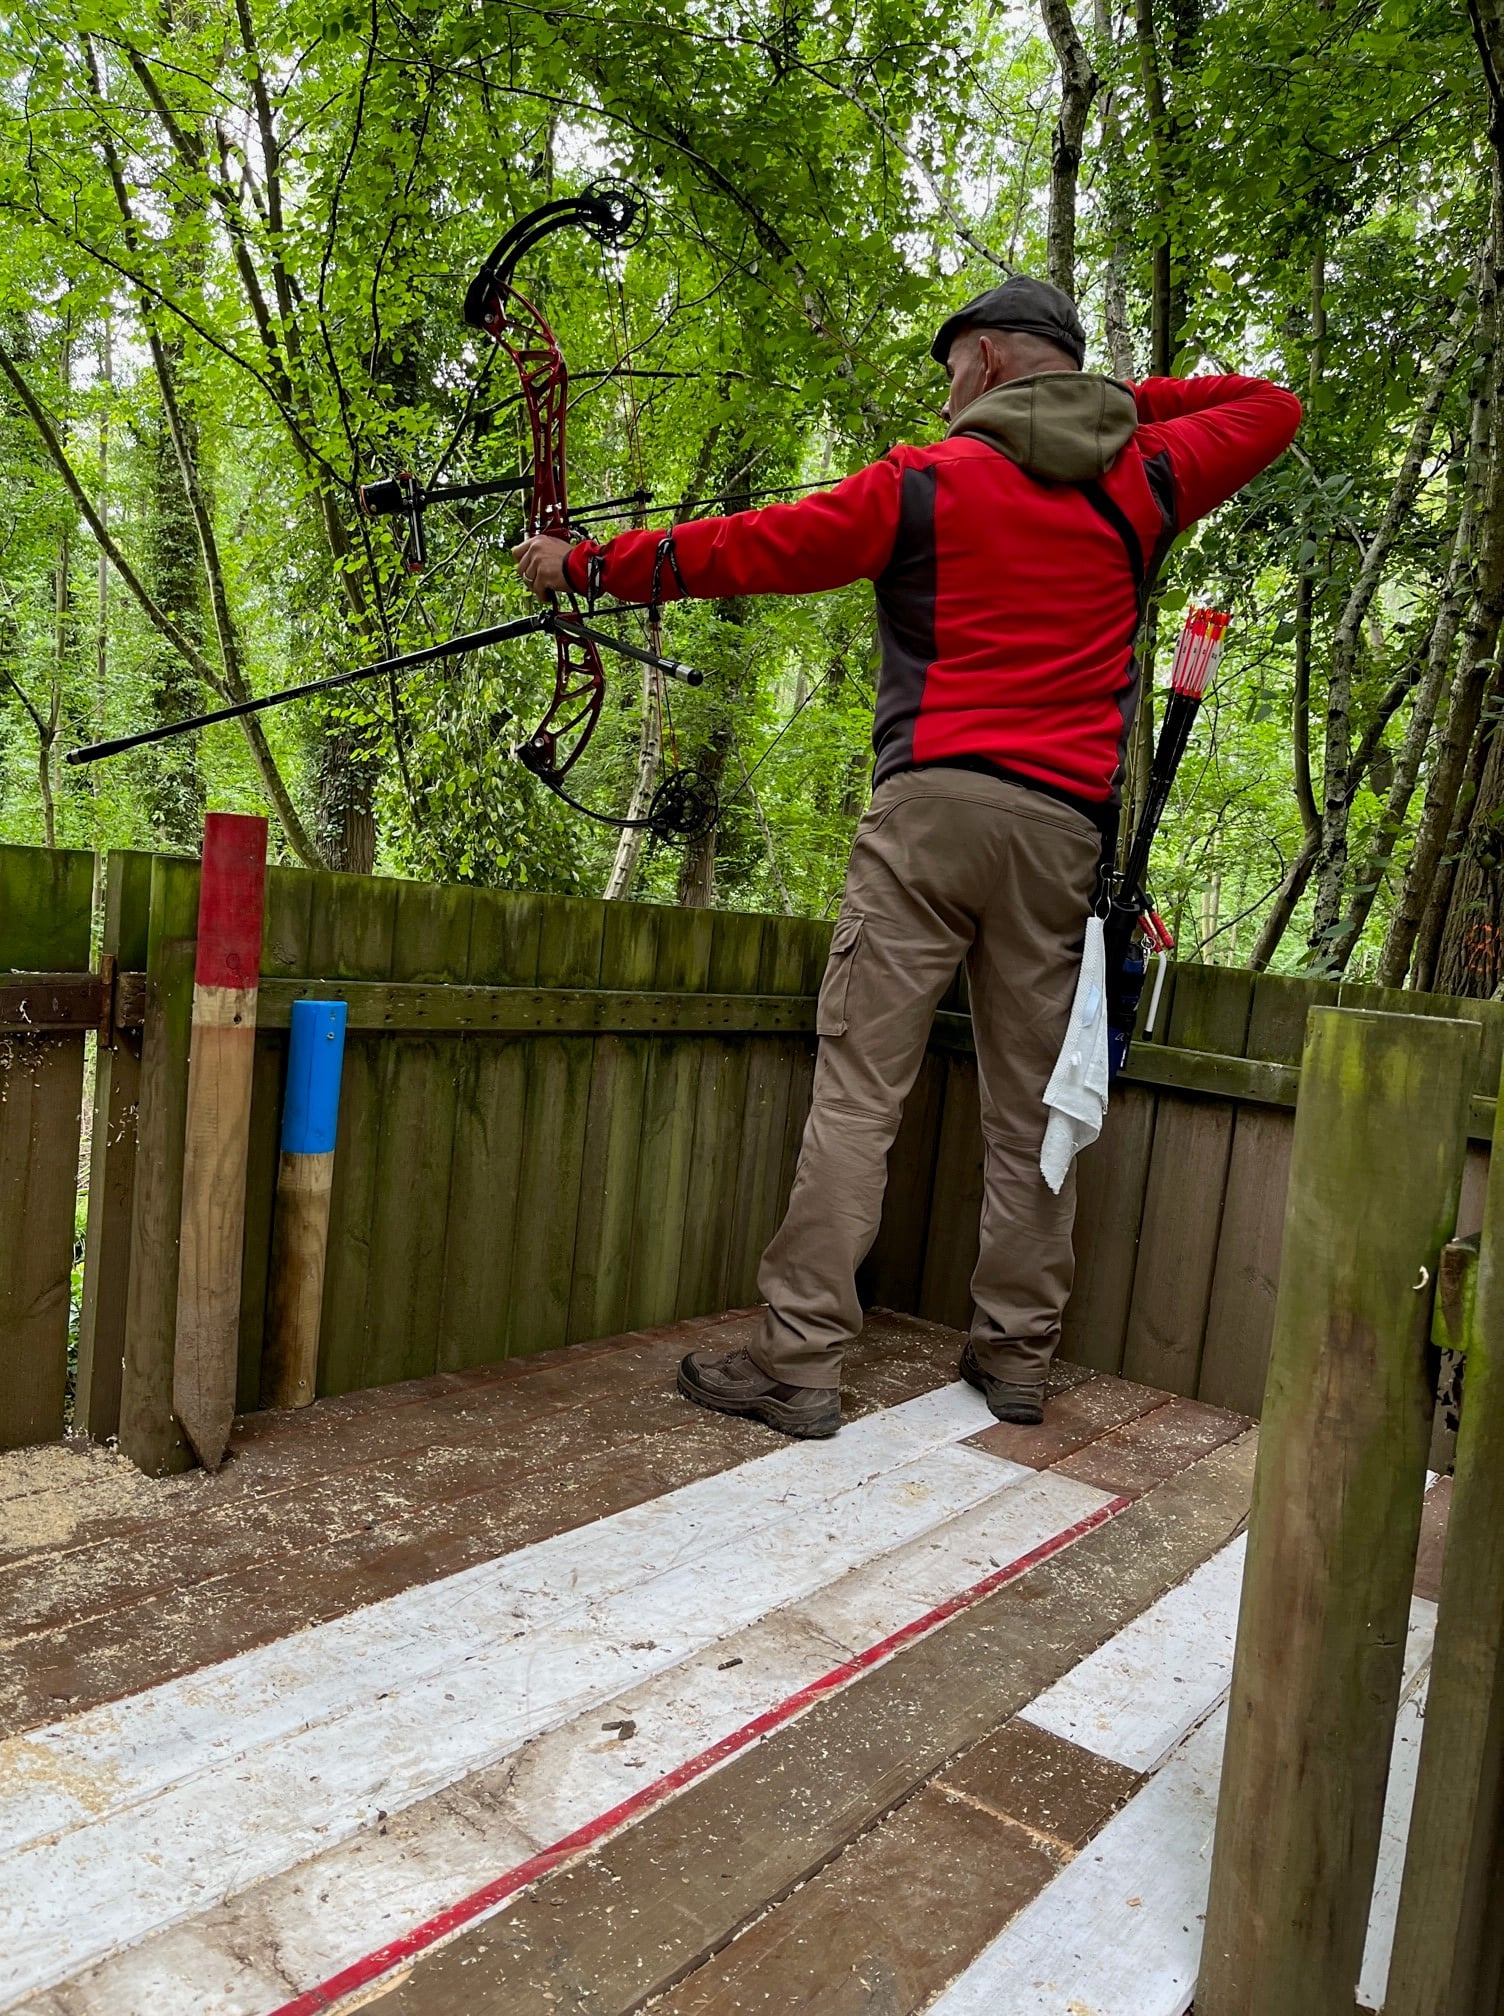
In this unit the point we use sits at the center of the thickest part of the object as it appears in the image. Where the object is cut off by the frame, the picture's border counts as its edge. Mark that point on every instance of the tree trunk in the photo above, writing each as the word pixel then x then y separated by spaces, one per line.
pixel 1337 795
pixel 697 870
pixel 1078 87
pixel 344 798
pixel 649 753
pixel 102 617
pixel 174 791
pixel 1470 956
pixel 1444 627
pixel 1414 929
pixel 1162 317
pixel 1116 327
pixel 1286 901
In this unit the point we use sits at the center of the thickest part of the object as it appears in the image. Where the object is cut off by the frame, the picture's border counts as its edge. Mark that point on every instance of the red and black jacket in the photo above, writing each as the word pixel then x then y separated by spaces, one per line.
pixel 1007 604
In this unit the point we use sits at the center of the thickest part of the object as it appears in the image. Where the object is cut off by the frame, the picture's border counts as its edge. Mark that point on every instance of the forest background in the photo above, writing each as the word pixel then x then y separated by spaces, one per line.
pixel 236 237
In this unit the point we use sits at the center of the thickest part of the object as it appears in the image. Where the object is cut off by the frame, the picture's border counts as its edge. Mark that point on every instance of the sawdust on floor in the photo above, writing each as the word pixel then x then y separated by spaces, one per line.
pixel 49 1494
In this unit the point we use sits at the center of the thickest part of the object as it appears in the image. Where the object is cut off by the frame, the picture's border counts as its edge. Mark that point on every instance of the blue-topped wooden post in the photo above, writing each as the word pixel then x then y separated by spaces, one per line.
pixel 305 1181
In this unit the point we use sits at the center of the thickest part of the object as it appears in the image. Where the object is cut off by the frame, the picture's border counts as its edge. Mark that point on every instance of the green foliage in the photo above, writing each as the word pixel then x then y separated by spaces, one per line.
pixel 289 196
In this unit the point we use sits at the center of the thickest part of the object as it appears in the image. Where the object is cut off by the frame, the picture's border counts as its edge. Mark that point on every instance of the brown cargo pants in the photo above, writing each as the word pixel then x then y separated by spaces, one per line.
pixel 947 864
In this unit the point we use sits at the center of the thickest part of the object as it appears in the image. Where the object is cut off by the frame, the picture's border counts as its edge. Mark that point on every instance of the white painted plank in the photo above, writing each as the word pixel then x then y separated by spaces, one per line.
pixel 861 1609
pixel 1118 1931
pixel 1135 1697
pixel 324 1914
pixel 53 1777
pixel 1399 1799
pixel 132 1870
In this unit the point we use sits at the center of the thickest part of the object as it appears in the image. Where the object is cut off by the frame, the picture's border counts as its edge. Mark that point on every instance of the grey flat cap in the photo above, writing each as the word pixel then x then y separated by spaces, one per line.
pixel 1032 307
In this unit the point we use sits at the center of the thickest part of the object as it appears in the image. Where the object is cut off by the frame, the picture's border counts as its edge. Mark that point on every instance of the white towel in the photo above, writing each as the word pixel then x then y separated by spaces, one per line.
pixel 1076 1095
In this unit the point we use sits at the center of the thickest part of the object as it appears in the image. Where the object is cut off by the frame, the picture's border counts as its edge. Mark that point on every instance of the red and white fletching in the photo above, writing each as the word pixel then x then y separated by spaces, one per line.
pixel 1198 652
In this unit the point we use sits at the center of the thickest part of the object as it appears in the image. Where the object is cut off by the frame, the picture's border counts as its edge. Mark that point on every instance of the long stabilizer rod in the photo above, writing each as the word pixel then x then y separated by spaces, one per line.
pixel 547 621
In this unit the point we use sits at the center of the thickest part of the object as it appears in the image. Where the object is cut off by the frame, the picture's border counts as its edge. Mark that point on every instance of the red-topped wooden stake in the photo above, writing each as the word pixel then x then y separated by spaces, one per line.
pixel 226 972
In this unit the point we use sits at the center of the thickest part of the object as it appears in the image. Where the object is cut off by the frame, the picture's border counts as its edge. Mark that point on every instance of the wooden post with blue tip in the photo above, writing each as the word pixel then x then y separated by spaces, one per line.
pixel 305 1182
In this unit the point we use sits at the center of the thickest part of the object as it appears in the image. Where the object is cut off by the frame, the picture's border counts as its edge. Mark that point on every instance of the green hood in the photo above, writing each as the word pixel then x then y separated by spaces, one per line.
pixel 1067 426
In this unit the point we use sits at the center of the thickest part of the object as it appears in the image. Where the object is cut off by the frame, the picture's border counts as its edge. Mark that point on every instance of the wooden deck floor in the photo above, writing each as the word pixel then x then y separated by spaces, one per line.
pixel 536 1689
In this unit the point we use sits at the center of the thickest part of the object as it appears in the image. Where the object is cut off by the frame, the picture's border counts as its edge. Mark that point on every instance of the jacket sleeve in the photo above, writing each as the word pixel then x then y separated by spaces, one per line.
pixel 1218 433
pixel 837 536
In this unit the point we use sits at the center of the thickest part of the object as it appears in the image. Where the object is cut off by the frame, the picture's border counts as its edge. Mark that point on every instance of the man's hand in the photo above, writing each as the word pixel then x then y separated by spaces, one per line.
pixel 540 562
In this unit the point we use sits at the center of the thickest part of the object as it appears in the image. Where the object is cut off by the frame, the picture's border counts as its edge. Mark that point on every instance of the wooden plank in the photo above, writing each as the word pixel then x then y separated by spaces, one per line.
pixel 760 1197
pixel 1151 1446
pixel 950 1255
pixel 51 1004
pixel 665 1171
pixel 1134 1698
pixel 112 1164
pixel 570 942
pixel 1183 1068
pixel 1117 1932
pixel 416 1088
pixel 1336 1513
pixel 1449 1948
pixel 720 1120
pixel 1054 1788
pixel 351 935
pixel 838 1944
pixel 613 1129
pixel 149 1430
pixel 46 897
pixel 456 1008
pixel 1240 1314
pixel 1184 1192
pixel 1110 1180
pixel 1240 1317
pixel 705 1865
pixel 1073 1419
pixel 41 1095
pixel 486 1174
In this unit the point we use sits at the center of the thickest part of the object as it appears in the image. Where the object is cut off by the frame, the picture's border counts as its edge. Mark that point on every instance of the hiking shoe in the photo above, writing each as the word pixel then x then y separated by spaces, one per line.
pixel 734 1385
pixel 1017 1401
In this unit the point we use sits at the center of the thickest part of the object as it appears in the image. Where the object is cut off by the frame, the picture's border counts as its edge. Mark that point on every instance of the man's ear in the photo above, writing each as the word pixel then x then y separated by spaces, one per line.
pixel 994 361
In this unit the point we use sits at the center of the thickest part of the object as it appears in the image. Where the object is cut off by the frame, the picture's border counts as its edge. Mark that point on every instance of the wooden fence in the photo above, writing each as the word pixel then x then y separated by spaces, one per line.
pixel 562 1118
pixel 45 907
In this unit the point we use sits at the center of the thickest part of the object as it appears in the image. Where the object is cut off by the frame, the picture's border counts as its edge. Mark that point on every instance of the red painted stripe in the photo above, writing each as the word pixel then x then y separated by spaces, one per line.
pixel 361 1973
pixel 230 899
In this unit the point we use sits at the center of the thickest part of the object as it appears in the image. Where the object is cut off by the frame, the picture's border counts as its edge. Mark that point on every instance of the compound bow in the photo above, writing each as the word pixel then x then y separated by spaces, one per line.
pixel 684 805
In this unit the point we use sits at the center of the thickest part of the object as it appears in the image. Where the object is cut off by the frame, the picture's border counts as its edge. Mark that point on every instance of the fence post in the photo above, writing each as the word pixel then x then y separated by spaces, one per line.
pixel 1449 1935
pixel 226 978
pixel 112 1163
pixel 149 1430
pixel 1380 1133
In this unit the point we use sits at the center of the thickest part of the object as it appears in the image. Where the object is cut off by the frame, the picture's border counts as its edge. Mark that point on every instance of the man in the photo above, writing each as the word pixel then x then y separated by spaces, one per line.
pixel 1011 561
